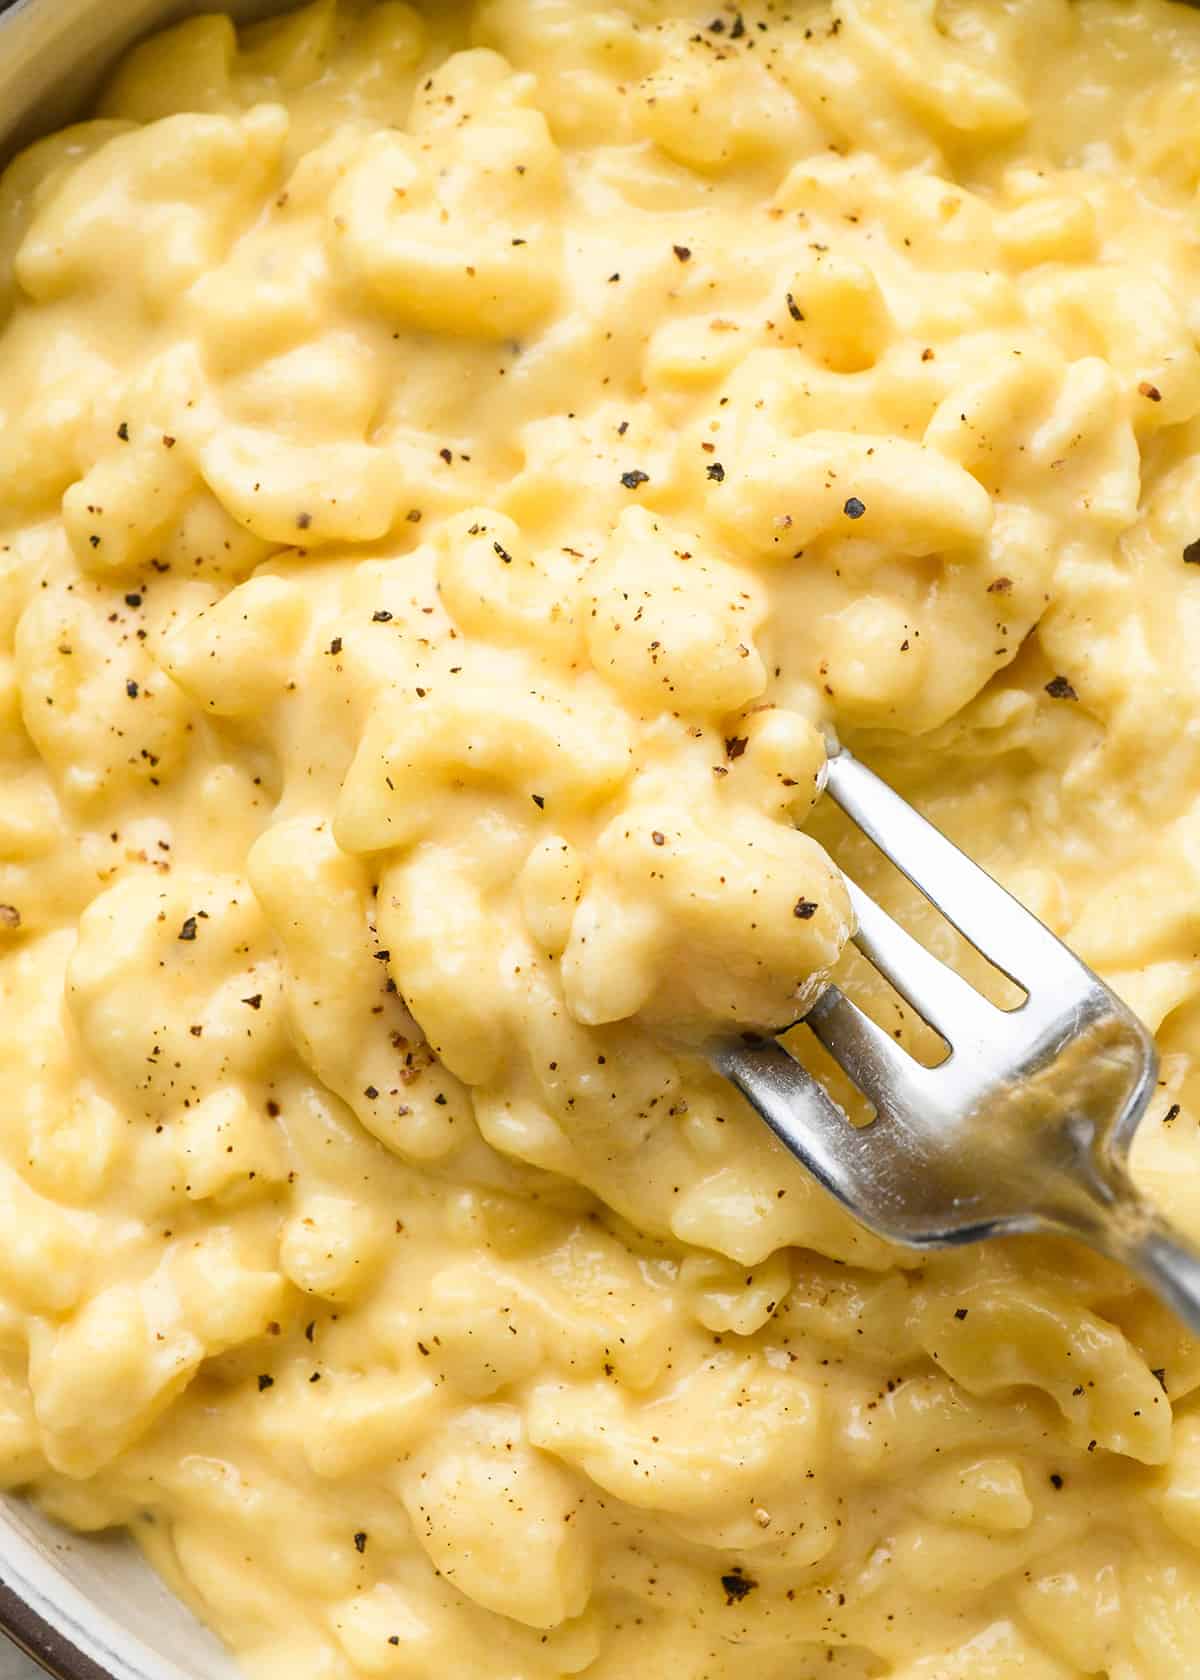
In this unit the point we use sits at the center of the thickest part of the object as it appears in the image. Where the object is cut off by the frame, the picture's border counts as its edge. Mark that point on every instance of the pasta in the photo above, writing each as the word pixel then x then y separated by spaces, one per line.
pixel 458 463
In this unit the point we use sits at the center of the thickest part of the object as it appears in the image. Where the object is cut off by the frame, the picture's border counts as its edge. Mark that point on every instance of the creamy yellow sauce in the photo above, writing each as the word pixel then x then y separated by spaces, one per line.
pixel 454 463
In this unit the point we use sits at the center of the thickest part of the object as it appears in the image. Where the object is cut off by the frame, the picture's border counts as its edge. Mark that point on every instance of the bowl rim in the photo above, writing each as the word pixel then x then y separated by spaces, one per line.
pixel 40 1640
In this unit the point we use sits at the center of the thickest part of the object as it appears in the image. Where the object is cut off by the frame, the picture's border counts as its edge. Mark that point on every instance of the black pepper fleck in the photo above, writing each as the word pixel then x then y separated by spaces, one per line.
pixel 737 1586
pixel 1058 688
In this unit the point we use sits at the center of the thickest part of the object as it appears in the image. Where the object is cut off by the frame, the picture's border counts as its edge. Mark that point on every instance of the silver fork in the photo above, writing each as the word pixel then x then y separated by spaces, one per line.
pixel 1027 1123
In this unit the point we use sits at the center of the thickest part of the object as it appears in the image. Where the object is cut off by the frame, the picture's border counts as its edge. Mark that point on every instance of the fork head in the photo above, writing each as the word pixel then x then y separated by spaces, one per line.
pixel 1027 1122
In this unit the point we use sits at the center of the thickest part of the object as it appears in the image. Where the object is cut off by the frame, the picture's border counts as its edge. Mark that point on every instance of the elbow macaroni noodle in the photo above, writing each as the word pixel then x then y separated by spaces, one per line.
pixel 456 462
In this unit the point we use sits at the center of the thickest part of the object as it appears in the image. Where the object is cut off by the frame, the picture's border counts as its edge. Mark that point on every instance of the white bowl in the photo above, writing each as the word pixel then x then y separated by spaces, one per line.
pixel 86 1608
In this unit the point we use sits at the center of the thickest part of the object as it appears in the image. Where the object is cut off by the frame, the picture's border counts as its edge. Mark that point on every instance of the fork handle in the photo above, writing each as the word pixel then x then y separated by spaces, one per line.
pixel 1169 1265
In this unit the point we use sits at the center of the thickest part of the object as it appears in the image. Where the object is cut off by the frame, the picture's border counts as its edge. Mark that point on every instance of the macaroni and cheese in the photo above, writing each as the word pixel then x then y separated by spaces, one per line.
pixel 456 463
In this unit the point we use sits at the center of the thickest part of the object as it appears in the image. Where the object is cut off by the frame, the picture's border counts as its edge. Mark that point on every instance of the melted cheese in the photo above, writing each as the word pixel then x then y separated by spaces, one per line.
pixel 455 465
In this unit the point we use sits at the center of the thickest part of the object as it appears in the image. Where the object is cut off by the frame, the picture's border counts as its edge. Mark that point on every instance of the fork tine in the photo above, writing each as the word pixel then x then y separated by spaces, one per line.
pixel 978 906
pixel 883 1072
pixel 941 997
pixel 801 1113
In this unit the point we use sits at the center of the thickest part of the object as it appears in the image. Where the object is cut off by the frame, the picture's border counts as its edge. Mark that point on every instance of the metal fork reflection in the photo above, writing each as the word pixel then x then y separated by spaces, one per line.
pixel 1027 1123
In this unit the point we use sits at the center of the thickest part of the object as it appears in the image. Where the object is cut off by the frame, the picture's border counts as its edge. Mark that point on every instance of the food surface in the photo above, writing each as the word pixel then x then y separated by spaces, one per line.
pixel 455 465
